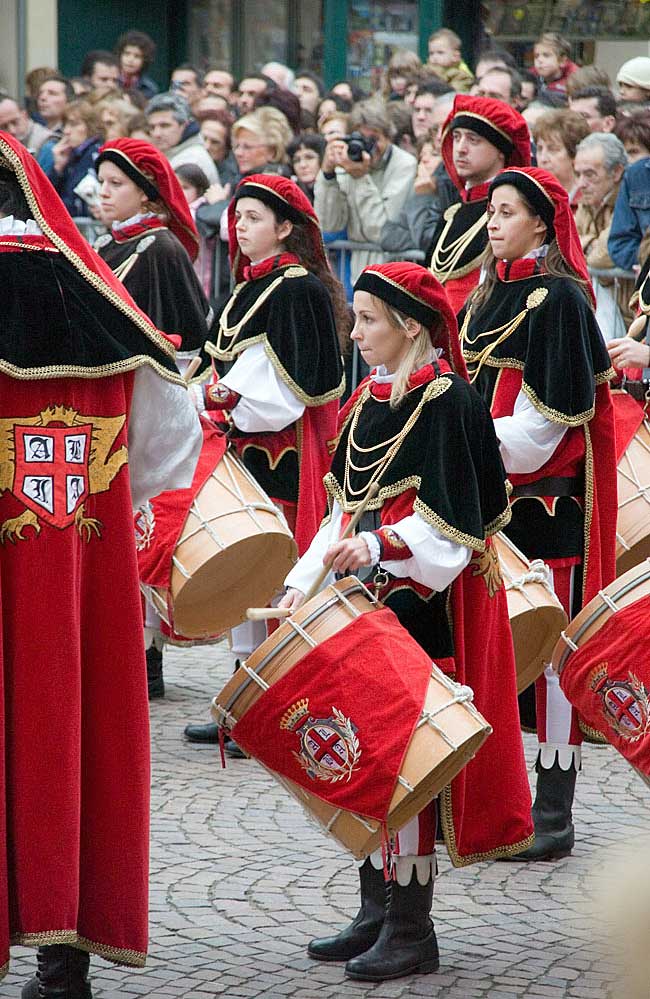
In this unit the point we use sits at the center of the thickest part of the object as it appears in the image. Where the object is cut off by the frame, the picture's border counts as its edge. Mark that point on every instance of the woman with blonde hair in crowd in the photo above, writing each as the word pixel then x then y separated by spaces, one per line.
pixel 260 140
pixel 116 114
pixel 556 135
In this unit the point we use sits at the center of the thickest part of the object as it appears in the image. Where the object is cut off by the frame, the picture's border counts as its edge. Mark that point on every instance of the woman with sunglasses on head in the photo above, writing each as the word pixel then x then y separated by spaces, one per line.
pixel 535 353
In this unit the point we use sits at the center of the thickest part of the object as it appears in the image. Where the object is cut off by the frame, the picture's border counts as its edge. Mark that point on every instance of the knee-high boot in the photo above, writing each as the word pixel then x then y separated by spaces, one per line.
pixel 366 925
pixel 554 835
pixel 62 974
pixel 407 943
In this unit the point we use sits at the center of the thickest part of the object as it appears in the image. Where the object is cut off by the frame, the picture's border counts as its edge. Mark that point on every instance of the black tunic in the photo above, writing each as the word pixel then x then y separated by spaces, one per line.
pixel 163 283
pixel 455 223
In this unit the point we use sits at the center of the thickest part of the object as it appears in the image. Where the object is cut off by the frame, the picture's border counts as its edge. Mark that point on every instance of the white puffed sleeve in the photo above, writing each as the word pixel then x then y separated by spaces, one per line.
pixel 527 439
pixel 435 560
pixel 306 570
pixel 266 403
pixel 164 436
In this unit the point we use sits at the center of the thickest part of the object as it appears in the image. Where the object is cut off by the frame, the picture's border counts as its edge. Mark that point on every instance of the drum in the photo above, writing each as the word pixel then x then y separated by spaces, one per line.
pixel 601 670
pixel 536 615
pixel 449 732
pixel 633 522
pixel 234 550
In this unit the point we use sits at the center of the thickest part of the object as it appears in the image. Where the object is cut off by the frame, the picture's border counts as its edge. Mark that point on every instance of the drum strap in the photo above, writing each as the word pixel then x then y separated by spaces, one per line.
pixel 551 486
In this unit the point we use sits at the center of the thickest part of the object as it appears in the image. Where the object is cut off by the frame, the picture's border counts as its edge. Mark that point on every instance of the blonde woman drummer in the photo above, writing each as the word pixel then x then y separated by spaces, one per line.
pixel 417 429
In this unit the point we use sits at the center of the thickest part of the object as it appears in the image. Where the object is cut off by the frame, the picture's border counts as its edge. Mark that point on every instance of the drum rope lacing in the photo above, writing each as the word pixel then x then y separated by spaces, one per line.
pixel 206 524
pixel 642 492
pixel 538 572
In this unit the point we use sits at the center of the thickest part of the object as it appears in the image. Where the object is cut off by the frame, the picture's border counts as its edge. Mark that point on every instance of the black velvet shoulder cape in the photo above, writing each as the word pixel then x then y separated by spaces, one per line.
pixel 455 223
pixel 557 345
pixel 164 284
pixel 55 324
pixel 450 457
pixel 290 311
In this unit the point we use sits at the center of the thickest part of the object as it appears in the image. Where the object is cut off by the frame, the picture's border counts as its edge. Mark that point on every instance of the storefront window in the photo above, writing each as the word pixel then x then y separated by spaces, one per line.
pixel 375 30
pixel 575 19
pixel 210 34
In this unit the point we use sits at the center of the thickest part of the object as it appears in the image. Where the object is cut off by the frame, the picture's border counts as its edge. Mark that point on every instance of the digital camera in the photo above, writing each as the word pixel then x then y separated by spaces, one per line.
pixel 358 144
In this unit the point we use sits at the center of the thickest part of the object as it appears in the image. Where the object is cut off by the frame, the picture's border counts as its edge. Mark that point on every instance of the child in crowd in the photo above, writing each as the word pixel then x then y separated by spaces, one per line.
pixel 195 183
pixel 446 61
pixel 552 63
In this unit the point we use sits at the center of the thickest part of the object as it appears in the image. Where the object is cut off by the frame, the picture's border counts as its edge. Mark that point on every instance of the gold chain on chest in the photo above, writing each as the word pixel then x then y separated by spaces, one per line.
pixel 447 256
pixel 232 332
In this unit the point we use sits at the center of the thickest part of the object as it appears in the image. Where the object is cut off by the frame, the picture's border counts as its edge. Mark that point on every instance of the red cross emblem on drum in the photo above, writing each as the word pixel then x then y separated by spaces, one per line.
pixel 329 747
pixel 625 703
pixel 52 463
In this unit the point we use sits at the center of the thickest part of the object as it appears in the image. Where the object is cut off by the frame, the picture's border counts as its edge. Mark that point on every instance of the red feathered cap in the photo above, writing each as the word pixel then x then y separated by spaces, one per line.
pixel 495 121
pixel 287 200
pixel 551 202
pixel 52 216
pixel 147 167
pixel 414 290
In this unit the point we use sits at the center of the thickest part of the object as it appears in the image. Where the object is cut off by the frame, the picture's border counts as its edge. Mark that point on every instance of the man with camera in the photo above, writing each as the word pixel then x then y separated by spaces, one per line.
pixel 363 182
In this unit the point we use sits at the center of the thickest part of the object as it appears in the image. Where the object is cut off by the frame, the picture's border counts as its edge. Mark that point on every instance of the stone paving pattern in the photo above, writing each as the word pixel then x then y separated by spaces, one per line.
pixel 240 882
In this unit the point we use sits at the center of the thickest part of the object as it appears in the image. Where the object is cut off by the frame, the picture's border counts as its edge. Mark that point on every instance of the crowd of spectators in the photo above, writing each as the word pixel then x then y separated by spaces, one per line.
pixel 370 163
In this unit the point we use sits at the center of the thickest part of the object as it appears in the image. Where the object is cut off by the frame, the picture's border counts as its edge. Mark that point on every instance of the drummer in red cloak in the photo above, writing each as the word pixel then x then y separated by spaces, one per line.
pixel 277 373
pixel 86 384
pixel 536 355
pixel 150 248
pixel 417 428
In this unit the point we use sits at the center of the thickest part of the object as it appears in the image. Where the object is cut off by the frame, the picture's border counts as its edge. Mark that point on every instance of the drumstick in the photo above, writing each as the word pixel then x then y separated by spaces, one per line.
pixel 266 613
pixel 269 613
pixel 354 520
pixel 192 368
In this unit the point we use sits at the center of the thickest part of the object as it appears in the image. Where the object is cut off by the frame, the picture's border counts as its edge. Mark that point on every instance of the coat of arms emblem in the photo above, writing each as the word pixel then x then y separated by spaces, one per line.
pixel 329 747
pixel 625 703
pixel 52 463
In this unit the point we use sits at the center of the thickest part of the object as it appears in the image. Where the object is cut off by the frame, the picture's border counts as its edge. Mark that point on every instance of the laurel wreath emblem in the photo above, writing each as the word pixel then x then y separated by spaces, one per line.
pixel 320 771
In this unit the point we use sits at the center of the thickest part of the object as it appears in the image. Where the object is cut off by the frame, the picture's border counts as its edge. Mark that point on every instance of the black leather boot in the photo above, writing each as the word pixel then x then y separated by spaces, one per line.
pixel 155 682
pixel 407 942
pixel 62 974
pixel 554 835
pixel 366 925
pixel 209 733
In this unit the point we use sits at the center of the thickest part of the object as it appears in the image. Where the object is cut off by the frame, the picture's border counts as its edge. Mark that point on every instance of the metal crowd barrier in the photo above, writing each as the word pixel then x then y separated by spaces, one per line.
pixel 89 228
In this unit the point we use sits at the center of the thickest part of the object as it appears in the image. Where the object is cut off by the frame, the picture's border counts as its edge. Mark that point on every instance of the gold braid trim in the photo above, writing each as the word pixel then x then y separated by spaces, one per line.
pixel 449 833
pixel 308 400
pixel 93 279
pixel 592 735
pixel 230 355
pixel 605 376
pixel 431 517
pixel 119 955
pixel 494 362
pixel 553 414
pixel 386 492
pixel 406 586
pixel 589 501
pixel 4 970
pixel 101 371
pixel 502 520
pixel 273 462
pixel 33 249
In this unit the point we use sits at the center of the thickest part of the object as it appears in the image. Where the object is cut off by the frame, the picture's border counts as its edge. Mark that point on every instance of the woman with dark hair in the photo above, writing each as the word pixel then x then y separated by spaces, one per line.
pixel 536 355
pixel 634 133
pixel 135 52
pixel 277 373
pixel 305 156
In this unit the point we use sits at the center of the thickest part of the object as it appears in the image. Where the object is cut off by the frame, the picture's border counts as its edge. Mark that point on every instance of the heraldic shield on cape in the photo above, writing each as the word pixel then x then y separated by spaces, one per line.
pixel 329 747
pixel 52 463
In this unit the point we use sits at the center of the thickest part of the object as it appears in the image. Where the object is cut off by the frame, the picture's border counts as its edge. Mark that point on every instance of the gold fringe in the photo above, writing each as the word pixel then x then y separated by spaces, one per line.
pixel 101 371
pixel 502 520
pixel 308 400
pixel 118 955
pixel 449 833
pixel 589 501
pixel 592 735
pixel 554 414
pixel 386 492
pixel 605 376
pixel 431 517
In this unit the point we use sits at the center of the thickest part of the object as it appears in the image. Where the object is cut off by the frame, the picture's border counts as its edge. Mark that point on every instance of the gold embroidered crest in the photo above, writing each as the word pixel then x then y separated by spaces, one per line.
pixel 52 463
pixel 487 565
pixel 536 297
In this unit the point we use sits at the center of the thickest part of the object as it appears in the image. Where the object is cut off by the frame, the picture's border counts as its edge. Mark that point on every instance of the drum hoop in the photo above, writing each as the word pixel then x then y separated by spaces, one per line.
pixel 598 612
pixel 282 644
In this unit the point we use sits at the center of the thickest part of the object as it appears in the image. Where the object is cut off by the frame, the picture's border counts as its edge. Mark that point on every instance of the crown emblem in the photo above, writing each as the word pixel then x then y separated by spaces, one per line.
pixel 295 714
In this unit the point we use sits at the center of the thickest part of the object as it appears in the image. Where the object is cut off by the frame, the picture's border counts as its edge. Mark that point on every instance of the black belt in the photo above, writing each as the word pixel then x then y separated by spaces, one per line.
pixel 552 486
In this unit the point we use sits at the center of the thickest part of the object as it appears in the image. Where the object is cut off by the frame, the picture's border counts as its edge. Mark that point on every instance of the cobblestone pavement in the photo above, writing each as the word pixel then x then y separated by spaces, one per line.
pixel 240 882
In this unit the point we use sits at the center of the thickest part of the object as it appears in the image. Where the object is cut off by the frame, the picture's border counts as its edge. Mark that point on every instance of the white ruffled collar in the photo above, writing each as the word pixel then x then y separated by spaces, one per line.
pixel 383 377
pixel 138 217
pixel 9 226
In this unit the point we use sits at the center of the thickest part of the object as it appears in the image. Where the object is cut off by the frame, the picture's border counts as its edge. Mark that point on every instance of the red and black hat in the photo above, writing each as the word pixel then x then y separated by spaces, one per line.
pixel 147 167
pixel 287 201
pixel 493 120
pixel 551 202
pixel 414 291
